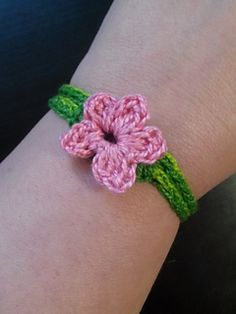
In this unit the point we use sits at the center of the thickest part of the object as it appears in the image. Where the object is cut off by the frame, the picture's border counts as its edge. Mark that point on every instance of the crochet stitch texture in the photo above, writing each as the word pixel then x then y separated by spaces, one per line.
pixel 113 132
pixel 165 174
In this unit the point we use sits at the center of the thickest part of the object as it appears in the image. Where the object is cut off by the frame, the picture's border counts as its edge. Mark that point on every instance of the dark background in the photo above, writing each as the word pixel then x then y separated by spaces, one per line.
pixel 41 44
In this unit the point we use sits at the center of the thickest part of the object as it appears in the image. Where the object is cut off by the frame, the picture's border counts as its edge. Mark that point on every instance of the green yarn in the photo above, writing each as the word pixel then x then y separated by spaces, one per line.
pixel 66 109
pixel 164 174
pixel 167 177
pixel 68 104
pixel 77 95
pixel 170 166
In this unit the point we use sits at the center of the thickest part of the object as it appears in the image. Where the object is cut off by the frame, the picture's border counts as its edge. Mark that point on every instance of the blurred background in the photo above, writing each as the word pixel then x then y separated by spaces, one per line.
pixel 41 44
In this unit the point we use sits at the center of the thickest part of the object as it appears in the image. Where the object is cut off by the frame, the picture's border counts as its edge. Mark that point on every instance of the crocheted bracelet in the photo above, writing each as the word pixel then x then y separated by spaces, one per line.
pixel 111 131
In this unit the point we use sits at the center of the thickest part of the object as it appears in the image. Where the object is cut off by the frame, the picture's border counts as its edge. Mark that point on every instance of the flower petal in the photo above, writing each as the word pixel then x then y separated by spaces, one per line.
pixel 82 139
pixel 111 168
pixel 98 108
pixel 144 146
pixel 130 114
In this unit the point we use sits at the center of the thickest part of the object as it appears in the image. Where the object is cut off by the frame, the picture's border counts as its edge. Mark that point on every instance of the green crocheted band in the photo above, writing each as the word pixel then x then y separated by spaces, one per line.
pixel 164 174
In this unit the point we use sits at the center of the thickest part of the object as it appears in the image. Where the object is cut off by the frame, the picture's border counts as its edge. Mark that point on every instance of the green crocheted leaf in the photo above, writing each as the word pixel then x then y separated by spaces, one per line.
pixel 155 175
pixel 171 168
pixel 66 109
pixel 75 94
pixel 166 176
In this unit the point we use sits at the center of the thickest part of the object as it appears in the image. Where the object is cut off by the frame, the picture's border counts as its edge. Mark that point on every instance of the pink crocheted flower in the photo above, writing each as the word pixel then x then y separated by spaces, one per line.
pixel 113 133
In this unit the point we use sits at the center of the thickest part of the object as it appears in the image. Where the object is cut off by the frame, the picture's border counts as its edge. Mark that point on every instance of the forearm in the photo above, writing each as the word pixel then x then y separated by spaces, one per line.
pixel 69 245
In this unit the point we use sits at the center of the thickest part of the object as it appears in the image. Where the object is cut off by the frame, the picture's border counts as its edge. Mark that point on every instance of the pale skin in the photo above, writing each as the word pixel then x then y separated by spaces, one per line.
pixel 67 245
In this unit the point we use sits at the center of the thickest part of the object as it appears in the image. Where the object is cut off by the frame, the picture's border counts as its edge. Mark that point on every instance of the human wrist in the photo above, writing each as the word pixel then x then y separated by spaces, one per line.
pixel 183 94
pixel 185 145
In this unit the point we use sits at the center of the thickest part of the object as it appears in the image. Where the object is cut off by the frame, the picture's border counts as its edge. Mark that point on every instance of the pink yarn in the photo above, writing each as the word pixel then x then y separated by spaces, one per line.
pixel 113 132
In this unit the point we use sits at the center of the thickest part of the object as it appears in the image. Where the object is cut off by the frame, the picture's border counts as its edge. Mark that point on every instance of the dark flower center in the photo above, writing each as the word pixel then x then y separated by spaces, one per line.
pixel 110 138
